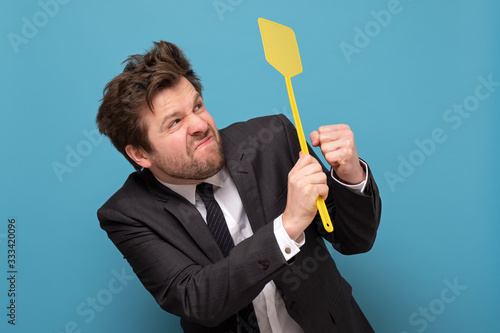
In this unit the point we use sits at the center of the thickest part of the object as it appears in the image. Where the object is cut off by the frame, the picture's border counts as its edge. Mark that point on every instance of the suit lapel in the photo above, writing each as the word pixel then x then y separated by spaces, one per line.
pixel 187 215
pixel 243 175
pixel 245 180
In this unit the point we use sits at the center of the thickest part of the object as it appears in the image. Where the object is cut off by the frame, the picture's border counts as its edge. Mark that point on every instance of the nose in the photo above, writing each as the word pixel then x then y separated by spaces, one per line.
pixel 197 125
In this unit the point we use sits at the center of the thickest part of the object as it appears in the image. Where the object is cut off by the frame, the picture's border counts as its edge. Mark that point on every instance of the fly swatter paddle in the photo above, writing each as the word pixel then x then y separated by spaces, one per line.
pixel 282 52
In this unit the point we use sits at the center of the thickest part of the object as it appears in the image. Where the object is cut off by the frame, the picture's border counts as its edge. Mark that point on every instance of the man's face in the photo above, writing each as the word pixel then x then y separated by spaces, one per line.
pixel 186 144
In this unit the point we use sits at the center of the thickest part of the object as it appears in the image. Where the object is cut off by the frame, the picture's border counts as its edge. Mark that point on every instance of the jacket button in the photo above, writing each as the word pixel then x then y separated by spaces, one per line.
pixel 264 264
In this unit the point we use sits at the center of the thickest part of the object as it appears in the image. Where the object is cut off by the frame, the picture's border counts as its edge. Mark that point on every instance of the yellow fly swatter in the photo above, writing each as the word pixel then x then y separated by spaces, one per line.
pixel 282 52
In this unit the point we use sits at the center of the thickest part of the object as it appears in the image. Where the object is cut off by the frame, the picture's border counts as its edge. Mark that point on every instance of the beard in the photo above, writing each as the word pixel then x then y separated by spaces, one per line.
pixel 190 168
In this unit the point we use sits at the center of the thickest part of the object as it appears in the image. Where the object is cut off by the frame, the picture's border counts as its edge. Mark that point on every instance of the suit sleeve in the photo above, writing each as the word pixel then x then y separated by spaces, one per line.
pixel 355 216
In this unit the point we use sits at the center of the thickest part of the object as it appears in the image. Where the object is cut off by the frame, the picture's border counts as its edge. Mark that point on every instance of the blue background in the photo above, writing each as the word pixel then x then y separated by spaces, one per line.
pixel 440 217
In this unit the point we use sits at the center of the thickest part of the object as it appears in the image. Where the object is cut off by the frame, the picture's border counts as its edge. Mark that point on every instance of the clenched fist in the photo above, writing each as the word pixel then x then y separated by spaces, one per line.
pixel 306 182
pixel 337 145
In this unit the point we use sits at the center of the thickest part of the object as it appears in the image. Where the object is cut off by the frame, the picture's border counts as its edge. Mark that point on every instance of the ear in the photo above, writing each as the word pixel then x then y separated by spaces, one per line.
pixel 138 155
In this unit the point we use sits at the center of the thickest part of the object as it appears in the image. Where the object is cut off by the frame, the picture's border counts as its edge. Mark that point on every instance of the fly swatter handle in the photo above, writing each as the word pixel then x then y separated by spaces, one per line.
pixel 320 203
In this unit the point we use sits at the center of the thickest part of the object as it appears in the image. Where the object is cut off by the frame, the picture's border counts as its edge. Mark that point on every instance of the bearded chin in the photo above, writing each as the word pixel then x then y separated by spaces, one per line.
pixel 195 169
pixel 204 169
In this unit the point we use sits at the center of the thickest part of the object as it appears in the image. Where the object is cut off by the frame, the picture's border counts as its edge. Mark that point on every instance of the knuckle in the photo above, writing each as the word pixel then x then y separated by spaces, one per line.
pixel 307 189
pixel 323 177
pixel 309 159
pixel 326 190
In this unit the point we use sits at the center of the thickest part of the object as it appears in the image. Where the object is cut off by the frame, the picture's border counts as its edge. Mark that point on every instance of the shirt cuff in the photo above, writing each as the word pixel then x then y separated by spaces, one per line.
pixel 288 246
pixel 357 188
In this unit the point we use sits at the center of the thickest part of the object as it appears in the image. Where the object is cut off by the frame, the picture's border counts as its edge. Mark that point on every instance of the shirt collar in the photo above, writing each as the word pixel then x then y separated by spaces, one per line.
pixel 189 191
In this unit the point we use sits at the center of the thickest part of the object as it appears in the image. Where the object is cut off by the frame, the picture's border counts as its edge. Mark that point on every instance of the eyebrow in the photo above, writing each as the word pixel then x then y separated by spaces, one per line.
pixel 177 113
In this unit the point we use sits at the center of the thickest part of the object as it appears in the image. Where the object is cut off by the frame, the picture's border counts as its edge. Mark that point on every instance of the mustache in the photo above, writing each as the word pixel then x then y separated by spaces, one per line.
pixel 195 140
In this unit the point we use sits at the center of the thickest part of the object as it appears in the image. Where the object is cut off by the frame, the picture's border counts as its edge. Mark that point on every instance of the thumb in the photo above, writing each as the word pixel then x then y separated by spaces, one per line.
pixel 314 136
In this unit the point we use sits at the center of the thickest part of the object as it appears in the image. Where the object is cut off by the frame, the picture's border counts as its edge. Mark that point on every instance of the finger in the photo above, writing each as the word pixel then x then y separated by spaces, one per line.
pixel 334 132
pixel 318 178
pixel 308 169
pixel 306 175
pixel 310 174
pixel 307 165
pixel 304 159
pixel 302 162
pixel 341 155
pixel 334 128
pixel 312 169
pixel 322 191
pixel 314 136
pixel 314 191
pixel 335 158
pixel 340 144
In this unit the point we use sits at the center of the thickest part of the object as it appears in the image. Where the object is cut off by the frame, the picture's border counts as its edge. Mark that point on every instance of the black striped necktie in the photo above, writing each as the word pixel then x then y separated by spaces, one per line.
pixel 247 321
pixel 215 218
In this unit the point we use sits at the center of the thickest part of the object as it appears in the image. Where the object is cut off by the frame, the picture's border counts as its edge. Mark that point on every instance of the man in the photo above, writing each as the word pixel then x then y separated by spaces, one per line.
pixel 264 266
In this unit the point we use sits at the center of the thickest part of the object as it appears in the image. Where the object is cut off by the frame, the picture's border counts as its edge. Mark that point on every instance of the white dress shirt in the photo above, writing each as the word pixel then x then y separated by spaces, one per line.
pixel 270 309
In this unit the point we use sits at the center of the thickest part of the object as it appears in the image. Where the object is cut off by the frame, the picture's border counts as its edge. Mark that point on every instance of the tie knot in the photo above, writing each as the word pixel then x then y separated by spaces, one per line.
pixel 205 191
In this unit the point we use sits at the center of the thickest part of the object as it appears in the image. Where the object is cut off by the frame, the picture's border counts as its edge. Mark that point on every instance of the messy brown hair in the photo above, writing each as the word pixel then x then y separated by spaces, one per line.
pixel 129 93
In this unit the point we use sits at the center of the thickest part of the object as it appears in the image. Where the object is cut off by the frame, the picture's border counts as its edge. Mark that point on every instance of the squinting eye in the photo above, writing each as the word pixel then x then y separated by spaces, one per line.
pixel 175 122
pixel 198 106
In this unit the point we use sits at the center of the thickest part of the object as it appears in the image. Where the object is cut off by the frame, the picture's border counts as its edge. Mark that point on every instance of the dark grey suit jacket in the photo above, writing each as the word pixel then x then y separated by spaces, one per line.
pixel 169 246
